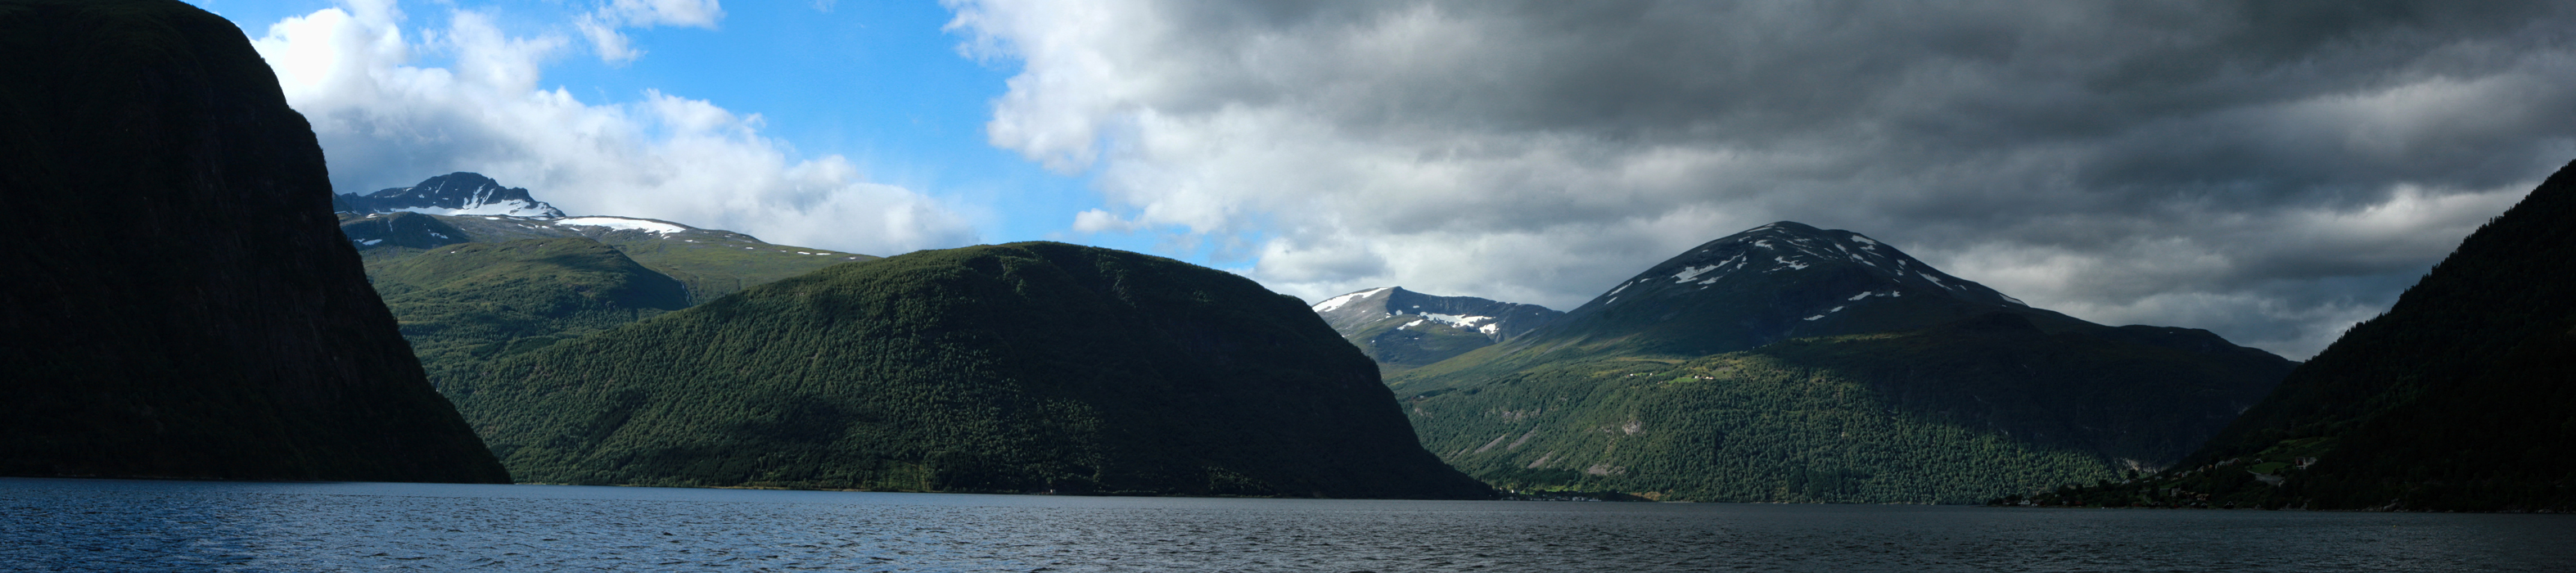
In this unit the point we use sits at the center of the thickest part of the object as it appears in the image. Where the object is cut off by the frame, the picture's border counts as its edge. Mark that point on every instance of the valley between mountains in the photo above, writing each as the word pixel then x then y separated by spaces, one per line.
pixel 196 303
pixel 1784 363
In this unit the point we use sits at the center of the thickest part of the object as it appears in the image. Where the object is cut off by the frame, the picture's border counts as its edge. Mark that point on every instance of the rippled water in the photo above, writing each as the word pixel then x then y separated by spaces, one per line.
pixel 117 525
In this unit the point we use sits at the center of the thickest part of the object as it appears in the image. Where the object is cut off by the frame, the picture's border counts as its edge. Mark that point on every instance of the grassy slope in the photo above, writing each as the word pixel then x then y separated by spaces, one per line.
pixel 466 303
pixel 1032 366
pixel 1953 414
pixel 710 263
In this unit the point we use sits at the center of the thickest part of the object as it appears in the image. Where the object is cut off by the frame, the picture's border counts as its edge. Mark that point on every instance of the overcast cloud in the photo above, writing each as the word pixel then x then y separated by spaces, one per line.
pixel 2272 171
pixel 387 120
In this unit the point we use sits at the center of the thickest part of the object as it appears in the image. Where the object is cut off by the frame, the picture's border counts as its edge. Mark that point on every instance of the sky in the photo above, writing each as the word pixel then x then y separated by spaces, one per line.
pixel 2271 171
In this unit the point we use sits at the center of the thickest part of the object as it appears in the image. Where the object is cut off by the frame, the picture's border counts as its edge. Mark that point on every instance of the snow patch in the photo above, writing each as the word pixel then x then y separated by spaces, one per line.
pixel 1792 264
pixel 1456 320
pixel 1859 296
pixel 1692 272
pixel 371 242
pixel 1415 322
pixel 623 223
pixel 1815 317
pixel 513 208
pixel 1337 302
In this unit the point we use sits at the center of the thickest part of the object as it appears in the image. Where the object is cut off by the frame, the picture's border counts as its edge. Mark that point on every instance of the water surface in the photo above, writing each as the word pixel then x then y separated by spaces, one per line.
pixel 121 525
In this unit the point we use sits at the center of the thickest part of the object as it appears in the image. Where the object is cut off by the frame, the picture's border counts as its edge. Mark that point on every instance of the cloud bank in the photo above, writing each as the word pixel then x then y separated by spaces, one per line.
pixel 2272 171
pixel 386 121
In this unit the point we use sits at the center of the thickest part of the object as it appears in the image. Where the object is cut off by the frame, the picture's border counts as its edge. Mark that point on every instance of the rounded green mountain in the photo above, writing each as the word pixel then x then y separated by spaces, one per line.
pixel 1026 367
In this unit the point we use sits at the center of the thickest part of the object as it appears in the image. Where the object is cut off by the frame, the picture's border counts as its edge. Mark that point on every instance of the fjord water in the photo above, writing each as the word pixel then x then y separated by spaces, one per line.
pixel 117 525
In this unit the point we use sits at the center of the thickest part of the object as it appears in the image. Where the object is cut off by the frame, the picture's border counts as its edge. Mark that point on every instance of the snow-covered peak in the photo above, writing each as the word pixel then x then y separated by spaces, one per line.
pixel 1787 251
pixel 458 193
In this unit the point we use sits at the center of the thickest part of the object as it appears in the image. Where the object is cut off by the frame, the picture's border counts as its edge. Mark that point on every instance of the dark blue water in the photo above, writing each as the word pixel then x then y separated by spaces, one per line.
pixel 115 525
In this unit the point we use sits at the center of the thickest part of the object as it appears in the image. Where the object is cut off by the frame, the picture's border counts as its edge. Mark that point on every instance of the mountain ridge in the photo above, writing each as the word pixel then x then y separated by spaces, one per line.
pixel 1402 329
pixel 1791 363
pixel 459 193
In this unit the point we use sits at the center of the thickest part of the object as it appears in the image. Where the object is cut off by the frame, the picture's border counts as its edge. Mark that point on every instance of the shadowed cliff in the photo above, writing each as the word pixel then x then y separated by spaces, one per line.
pixel 180 301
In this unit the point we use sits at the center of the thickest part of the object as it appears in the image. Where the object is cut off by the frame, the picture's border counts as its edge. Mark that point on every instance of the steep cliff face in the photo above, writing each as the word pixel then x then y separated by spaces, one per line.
pixel 181 302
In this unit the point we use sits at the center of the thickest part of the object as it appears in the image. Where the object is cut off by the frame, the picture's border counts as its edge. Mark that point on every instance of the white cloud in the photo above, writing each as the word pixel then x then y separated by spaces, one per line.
pixel 384 121
pixel 2264 174
pixel 601 25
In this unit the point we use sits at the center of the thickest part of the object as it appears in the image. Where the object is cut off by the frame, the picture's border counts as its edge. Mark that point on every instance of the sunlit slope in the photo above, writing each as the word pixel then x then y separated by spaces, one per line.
pixel 709 262
pixel 465 303
pixel 1021 367
pixel 1790 363
pixel 1942 415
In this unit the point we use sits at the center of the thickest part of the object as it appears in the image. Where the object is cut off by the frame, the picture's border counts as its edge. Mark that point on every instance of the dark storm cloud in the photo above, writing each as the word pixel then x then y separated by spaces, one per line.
pixel 2270 170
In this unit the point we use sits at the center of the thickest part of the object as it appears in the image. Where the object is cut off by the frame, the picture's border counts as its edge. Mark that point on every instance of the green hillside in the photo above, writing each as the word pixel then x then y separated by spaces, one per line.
pixel 1952 414
pixel 1789 363
pixel 710 263
pixel 466 303
pixel 1021 367
pixel 2456 399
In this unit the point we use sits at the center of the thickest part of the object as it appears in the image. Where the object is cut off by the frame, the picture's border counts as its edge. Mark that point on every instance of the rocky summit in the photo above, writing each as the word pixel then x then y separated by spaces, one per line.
pixel 1402 329
pixel 1798 364
pixel 457 193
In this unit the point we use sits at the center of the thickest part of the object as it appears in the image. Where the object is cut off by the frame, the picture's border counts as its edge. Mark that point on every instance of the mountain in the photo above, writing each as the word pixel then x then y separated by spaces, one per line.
pixel 183 305
pixel 451 194
pixel 2456 399
pixel 1790 363
pixel 711 263
pixel 1402 329
pixel 472 288
pixel 1776 282
pixel 1019 367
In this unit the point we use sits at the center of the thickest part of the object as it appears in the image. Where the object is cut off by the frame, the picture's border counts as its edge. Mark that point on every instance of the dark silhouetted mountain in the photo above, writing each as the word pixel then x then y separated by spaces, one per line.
pixel 1402 329
pixel 2456 399
pixel 183 304
pixel 1020 367
pixel 457 193
pixel 1790 363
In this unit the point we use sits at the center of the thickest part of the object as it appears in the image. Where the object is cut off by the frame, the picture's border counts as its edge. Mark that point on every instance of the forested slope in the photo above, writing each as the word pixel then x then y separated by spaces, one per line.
pixel 1021 367
pixel 1951 414
pixel 1793 364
